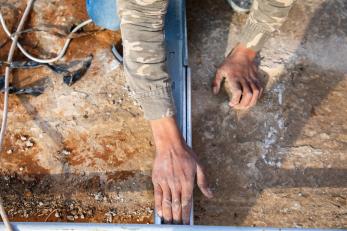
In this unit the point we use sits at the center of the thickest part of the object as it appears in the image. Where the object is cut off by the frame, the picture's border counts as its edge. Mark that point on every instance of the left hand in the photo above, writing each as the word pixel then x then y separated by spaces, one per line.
pixel 175 168
pixel 240 74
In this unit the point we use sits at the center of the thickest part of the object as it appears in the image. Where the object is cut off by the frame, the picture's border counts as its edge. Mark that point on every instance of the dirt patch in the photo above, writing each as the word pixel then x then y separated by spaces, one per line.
pixel 283 163
pixel 75 153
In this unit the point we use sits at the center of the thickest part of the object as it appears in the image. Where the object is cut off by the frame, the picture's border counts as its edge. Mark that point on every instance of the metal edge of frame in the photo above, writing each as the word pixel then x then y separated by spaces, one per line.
pixel 61 226
pixel 177 57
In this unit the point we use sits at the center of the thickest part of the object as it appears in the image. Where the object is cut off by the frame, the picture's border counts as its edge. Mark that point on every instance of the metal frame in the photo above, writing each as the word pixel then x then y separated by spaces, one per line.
pixel 178 69
pixel 27 226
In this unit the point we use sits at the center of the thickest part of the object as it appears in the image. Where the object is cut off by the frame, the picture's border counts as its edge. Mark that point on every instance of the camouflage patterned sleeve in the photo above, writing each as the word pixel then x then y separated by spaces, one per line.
pixel 142 23
pixel 266 17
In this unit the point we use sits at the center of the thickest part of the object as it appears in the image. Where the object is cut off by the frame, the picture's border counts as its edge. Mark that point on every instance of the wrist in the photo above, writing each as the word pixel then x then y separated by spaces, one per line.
pixel 244 50
pixel 166 133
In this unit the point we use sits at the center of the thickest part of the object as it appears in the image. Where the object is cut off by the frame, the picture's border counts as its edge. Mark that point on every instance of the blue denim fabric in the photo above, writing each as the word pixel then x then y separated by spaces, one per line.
pixel 104 13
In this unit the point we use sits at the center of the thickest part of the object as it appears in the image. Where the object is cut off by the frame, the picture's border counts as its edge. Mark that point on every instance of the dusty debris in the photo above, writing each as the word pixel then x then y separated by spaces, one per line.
pixel 281 164
pixel 72 142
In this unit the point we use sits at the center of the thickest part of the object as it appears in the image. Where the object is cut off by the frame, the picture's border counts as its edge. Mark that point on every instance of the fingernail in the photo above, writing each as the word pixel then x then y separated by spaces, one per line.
pixel 175 222
pixel 160 213
pixel 167 221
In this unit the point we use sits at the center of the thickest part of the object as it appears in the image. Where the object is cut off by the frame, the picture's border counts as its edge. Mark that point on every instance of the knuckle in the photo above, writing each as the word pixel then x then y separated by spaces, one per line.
pixel 186 202
pixel 221 70
pixel 188 181
pixel 157 181
pixel 176 205
pixel 157 190
pixel 220 74
pixel 233 78
pixel 174 184
pixel 162 181
pixel 177 185
pixel 167 203
pixel 175 188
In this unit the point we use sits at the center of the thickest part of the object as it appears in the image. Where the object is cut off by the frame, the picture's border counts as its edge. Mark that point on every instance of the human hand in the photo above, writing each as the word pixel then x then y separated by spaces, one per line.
pixel 240 74
pixel 174 171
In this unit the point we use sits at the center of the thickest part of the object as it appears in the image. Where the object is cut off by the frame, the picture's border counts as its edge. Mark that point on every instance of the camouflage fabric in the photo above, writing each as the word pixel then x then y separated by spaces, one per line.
pixel 142 23
pixel 266 16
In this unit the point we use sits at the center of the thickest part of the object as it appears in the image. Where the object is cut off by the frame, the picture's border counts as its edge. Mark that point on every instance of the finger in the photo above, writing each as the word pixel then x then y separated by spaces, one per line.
pixel 217 82
pixel 260 92
pixel 202 182
pixel 255 96
pixel 260 87
pixel 255 68
pixel 246 95
pixel 236 92
pixel 166 203
pixel 187 197
pixel 257 82
pixel 176 205
pixel 158 198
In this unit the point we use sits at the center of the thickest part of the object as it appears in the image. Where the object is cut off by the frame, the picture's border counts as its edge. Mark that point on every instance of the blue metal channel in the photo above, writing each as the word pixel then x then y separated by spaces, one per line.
pixel 177 58
pixel 177 66
pixel 27 226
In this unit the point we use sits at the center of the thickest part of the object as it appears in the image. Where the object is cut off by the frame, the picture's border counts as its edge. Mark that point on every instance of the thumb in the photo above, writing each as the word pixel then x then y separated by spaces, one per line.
pixel 202 182
pixel 217 82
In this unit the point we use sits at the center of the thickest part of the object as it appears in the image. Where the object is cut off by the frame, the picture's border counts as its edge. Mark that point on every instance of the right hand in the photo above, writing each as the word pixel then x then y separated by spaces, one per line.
pixel 240 74
pixel 174 171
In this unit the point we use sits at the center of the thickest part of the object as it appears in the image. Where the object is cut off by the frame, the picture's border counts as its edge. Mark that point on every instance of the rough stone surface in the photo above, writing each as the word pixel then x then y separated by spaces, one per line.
pixel 73 153
pixel 283 163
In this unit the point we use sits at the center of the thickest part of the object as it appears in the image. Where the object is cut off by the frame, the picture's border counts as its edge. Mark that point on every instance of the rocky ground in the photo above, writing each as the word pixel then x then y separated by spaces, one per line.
pixel 80 152
pixel 283 163
pixel 84 153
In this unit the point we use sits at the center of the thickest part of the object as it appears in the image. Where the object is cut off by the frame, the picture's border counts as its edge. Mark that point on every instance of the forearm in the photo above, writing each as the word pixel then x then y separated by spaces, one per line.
pixel 266 17
pixel 142 23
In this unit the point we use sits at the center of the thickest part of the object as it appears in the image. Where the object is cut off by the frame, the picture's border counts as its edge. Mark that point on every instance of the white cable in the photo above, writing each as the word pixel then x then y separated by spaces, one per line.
pixel 6 93
pixel 15 44
pixel 52 60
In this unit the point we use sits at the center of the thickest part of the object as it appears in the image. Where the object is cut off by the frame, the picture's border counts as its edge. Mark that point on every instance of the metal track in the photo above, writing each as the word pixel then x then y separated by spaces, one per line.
pixel 177 66
pixel 114 227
